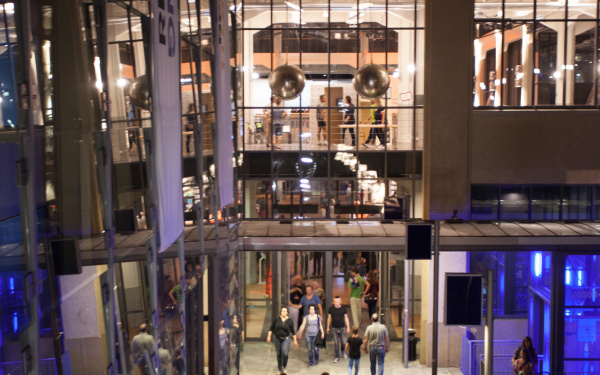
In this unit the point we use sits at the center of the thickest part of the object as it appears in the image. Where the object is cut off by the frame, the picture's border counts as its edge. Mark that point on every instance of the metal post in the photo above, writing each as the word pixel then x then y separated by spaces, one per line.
pixel 29 338
pixel 436 301
pixel 489 326
pixel 406 310
pixel 153 244
pixel 184 289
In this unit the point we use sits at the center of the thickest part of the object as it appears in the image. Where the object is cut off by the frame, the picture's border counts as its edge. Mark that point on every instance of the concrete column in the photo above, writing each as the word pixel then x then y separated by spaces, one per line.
pixel 74 120
pixel 448 96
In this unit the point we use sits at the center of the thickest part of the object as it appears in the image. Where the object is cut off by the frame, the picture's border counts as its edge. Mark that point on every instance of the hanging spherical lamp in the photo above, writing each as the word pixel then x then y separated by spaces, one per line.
pixel 287 81
pixel 371 81
pixel 138 92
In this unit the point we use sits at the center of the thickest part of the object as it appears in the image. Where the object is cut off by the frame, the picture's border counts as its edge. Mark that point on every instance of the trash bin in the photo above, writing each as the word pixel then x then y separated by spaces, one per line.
pixel 412 344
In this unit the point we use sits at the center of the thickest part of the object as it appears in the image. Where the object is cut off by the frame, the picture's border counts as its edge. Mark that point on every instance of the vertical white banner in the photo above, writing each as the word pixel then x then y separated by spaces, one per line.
pixel 222 92
pixel 166 121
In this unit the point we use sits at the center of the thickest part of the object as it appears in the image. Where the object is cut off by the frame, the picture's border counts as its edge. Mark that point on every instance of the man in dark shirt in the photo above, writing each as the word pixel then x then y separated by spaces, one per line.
pixel 339 325
pixel 297 291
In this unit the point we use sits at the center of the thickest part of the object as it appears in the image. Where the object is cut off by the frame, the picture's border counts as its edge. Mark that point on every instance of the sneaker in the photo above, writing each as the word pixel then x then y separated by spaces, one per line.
pixel 345 356
pixel 310 365
pixel 367 145
pixel 317 362
pixel 380 147
pixel 336 360
pixel 285 370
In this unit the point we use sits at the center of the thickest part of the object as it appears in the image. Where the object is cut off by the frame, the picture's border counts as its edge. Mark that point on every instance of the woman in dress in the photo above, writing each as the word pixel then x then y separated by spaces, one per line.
pixel 281 330
pixel 312 324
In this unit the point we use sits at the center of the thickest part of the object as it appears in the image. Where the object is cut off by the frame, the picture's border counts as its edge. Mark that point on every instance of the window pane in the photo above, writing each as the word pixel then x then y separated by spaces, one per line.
pixel 581 272
pixel 514 203
pixel 545 203
pixel 484 203
pixel 576 202
pixel 581 334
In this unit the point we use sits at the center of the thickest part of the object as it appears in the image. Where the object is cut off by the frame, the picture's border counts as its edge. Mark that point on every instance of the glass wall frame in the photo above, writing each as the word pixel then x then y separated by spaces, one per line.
pixel 535 54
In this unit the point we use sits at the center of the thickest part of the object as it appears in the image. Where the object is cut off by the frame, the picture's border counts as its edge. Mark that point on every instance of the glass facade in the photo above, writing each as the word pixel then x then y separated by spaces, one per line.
pixel 534 202
pixel 535 53
pixel 315 162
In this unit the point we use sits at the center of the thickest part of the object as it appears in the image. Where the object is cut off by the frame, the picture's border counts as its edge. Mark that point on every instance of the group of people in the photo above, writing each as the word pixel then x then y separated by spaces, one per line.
pixel 376 342
pixel 304 316
pixel 143 348
pixel 525 358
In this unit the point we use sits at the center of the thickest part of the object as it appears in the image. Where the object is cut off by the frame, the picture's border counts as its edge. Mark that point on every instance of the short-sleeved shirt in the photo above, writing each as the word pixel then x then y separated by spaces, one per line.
pixel 377 334
pixel 357 288
pixel 319 112
pixel 349 112
pixel 305 301
pixel 338 319
pixel 177 291
pixel 141 344
pixel 277 115
pixel 354 343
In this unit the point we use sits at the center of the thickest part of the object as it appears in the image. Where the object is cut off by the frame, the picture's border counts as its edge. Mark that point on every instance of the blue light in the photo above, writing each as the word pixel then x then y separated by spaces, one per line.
pixel 568 279
pixel 579 277
pixel 537 261
pixel 567 312
pixel 15 322
pixel 11 285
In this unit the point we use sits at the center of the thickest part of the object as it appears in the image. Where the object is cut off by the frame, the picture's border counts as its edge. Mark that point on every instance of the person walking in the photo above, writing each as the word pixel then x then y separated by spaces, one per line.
pixel 371 292
pixel 297 291
pixel 313 326
pixel 277 117
pixel 353 349
pixel 321 124
pixel 356 284
pixel 142 347
pixel 339 326
pixel 310 299
pixel 281 330
pixel 189 126
pixel 526 344
pixel 349 119
pixel 376 344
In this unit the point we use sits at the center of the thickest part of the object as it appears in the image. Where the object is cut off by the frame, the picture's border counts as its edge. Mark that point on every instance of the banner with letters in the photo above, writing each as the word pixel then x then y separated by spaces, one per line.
pixel 166 121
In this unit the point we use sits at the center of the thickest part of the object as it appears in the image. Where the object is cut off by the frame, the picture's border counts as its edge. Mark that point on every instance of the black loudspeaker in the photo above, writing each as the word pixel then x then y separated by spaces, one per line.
pixel 464 299
pixel 418 241
pixel 65 256
pixel 124 221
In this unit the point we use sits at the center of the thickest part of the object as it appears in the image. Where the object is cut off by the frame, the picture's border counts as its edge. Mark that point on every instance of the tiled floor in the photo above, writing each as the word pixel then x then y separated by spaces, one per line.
pixel 260 358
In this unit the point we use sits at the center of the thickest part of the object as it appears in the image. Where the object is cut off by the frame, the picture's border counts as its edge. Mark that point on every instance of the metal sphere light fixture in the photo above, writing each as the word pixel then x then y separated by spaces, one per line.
pixel 371 81
pixel 138 92
pixel 287 81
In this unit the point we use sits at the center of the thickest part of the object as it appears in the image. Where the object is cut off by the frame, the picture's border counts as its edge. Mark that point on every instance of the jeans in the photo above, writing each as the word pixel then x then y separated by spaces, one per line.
pixel 282 347
pixel 351 131
pixel 339 339
pixel 310 342
pixel 356 308
pixel 377 356
pixel 355 362
pixel 372 308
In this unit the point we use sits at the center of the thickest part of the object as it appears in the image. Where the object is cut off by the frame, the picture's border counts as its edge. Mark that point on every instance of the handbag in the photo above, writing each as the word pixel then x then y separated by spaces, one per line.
pixel 370 298
pixel 318 340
